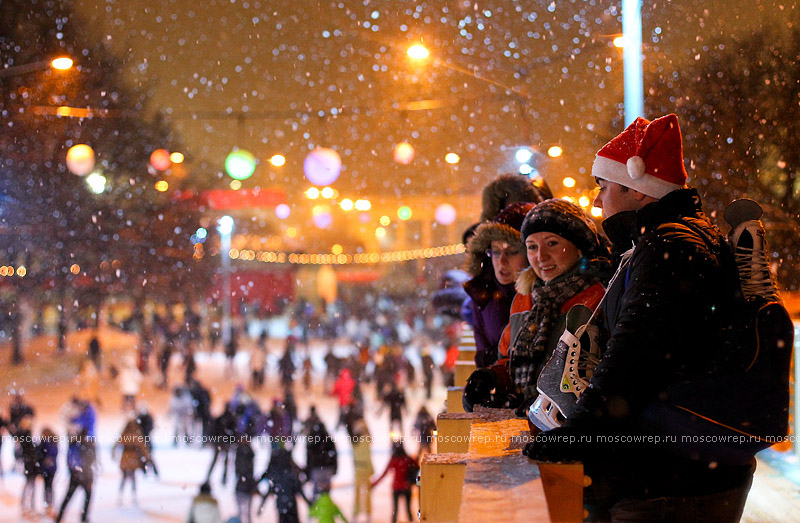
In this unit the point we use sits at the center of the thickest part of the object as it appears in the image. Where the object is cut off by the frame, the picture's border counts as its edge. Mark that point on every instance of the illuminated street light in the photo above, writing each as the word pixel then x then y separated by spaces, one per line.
pixel 312 193
pixel 277 160
pixel 452 158
pixel 523 155
pixel 619 42
pixel 346 204
pixel 326 192
pixel 555 151
pixel 61 63
pixel 418 52
pixel 161 186
pixel 525 169
pixel 363 205
pixel 176 157
pixel 225 228
pixel 568 182
pixel 596 212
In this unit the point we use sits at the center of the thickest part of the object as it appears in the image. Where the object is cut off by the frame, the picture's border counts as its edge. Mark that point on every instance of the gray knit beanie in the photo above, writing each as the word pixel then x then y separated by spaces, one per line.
pixel 568 221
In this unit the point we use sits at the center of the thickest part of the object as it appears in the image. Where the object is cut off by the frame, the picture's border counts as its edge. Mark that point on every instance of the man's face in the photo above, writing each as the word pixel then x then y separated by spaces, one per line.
pixel 614 198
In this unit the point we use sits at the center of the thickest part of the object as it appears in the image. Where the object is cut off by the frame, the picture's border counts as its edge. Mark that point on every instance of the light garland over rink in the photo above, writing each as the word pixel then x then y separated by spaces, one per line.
pixel 346 259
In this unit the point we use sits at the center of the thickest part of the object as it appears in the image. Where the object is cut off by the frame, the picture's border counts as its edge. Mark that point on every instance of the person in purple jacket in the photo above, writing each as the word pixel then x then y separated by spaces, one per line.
pixel 495 255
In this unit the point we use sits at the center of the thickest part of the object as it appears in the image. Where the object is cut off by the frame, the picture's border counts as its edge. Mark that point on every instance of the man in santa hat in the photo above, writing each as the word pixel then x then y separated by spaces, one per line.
pixel 664 313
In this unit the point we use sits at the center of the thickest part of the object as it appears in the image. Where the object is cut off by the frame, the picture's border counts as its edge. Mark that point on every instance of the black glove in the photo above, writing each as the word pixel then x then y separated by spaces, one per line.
pixel 557 445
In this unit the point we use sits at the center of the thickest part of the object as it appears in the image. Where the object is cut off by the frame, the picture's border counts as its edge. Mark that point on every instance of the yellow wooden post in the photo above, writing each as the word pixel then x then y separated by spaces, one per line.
pixel 563 485
pixel 441 482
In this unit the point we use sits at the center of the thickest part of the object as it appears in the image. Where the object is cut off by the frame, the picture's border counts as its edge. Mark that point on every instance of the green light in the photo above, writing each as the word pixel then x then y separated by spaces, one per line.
pixel 240 164
pixel 404 212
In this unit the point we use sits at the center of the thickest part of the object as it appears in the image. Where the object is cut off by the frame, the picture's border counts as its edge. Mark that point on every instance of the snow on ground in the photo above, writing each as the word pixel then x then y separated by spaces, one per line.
pixel 49 381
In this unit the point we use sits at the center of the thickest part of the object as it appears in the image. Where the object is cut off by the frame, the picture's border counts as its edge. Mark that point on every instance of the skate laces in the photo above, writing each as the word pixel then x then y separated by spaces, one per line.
pixel 751 261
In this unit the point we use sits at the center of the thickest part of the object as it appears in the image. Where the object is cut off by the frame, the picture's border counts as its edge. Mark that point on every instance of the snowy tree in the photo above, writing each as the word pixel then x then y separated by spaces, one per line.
pixel 738 102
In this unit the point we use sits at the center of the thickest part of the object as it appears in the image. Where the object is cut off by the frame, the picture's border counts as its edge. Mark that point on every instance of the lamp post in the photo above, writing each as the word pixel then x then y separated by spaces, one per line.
pixel 632 58
pixel 225 228
pixel 62 63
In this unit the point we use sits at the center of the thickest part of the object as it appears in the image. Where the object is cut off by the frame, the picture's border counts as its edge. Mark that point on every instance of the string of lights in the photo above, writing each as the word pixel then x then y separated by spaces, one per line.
pixel 346 259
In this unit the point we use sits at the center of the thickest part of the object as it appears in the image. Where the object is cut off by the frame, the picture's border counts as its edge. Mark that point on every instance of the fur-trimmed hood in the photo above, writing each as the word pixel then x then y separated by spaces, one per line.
pixel 477 261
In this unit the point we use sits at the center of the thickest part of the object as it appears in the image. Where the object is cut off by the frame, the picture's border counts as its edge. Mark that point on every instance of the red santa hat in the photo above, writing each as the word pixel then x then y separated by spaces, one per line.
pixel 646 157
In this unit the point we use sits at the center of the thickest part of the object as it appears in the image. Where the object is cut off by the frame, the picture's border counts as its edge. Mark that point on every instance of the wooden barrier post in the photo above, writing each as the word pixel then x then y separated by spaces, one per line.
pixel 454 402
pixel 452 432
pixel 441 482
pixel 563 485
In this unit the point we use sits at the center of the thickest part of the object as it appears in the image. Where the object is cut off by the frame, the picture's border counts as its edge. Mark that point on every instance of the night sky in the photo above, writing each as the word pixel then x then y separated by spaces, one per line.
pixel 258 75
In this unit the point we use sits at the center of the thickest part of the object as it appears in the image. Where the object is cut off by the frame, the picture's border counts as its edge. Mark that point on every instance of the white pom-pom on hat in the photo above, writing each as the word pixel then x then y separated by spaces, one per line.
pixel 636 167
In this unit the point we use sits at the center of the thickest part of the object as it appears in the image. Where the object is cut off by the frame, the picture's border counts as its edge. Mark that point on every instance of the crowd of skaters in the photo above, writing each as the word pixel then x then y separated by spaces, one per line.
pixel 231 434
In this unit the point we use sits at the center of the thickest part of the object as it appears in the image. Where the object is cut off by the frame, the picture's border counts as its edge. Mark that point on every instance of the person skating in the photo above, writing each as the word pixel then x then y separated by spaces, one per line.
pixel 362 466
pixel 81 460
pixel 48 465
pixel 424 427
pixel 245 480
pixel 30 464
pixel 400 464
pixel 204 508
pixel 321 455
pixel 325 510
pixel 134 456
pixel 284 479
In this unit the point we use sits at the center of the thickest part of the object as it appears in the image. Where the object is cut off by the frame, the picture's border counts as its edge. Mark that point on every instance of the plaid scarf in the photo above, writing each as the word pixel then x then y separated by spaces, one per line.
pixel 529 347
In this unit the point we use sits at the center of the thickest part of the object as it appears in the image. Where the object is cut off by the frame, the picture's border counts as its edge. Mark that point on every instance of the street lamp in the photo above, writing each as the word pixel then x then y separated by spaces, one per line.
pixel 225 228
pixel 62 63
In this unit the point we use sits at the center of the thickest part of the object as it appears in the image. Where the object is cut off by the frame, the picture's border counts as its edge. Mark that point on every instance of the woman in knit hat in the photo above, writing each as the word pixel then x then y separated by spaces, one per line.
pixel 569 265
pixel 496 255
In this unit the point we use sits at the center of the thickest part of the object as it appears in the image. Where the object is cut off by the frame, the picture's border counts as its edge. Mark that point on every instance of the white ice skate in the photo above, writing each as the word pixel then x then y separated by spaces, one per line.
pixel 748 242
pixel 567 373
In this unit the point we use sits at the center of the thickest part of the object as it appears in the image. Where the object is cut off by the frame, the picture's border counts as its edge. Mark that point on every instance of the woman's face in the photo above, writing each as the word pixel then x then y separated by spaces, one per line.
pixel 550 255
pixel 507 261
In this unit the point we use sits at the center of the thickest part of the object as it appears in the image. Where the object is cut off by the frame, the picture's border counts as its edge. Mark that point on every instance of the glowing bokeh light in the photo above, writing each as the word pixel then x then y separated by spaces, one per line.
pixel 326 192
pixel 385 220
pixel 225 224
pixel 363 205
pixel 336 249
pixel 277 160
pixel 322 166
pixel 380 232
pixel 80 159
pixel 620 41
pixel 403 153
pixel 176 157
pixel 160 160
pixel 346 204
pixel 75 268
pixel 240 164
pixel 584 201
pixel 452 158
pixel 525 169
pixel 555 151
pixel 322 220
pixel 445 214
pixel 569 182
pixel 96 182
pixel 597 212
pixel 235 185
pixel 283 211
pixel 291 232
pixel 404 213
pixel 162 186
pixel 418 52
pixel 201 233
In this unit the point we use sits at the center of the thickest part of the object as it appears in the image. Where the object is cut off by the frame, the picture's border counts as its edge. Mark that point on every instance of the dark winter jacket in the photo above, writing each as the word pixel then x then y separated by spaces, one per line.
pixel 490 310
pixel 48 457
pixel 320 449
pixel 663 314
pixel 244 463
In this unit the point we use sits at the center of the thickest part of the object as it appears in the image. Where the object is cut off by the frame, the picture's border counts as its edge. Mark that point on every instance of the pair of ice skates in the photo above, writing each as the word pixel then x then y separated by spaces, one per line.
pixel 567 373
